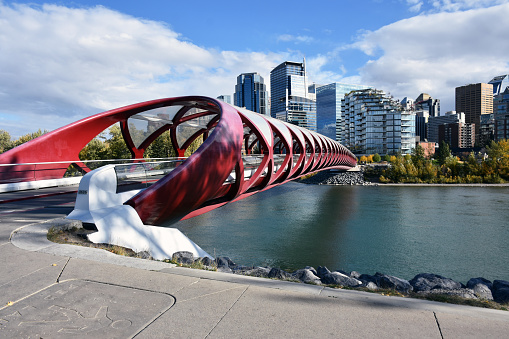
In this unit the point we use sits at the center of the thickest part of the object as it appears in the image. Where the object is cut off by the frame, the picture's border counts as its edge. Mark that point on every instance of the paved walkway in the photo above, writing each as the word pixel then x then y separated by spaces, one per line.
pixel 61 291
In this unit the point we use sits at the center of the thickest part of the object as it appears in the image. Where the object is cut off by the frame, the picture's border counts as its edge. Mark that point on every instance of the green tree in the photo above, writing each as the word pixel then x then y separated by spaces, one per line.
pixel 5 141
pixel 96 149
pixel 27 137
pixel 418 155
pixel 161 147
pixel 387 157
pixel 443 152
pixel 117 148
pixel 498 153
pixel 377 157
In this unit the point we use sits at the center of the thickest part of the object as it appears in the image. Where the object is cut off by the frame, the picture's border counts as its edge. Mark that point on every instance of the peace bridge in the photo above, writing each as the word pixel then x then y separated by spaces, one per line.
pixel 132 204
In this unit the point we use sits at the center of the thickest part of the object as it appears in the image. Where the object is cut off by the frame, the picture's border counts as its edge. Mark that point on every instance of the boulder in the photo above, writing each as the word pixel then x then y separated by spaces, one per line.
pixel 336 278
pixel 393 283
pixel 476 281
pixel 262 272
pixel 482 291
pixel 366 278
pixel 183 257
pixel 355 274
pixel 429 281
pixel 224 261
pixel 322 271
pixel 224 269
pixel 370 286
pixel 206 261
pixel 277 273
pixel 460 292
pixel 312 269
pixel 501 291
pixel 307 276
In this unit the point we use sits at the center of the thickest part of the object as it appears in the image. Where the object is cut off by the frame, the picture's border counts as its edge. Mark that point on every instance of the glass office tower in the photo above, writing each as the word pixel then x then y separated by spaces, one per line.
pixel 251 93
pixel 329 120
pixel 289 99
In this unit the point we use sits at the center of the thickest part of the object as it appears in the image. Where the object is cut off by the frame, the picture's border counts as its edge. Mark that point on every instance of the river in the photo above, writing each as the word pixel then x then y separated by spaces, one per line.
pixel 457 232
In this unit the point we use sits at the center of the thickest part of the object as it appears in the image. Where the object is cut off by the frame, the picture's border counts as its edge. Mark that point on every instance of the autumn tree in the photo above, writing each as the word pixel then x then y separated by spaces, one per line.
pixel 5 141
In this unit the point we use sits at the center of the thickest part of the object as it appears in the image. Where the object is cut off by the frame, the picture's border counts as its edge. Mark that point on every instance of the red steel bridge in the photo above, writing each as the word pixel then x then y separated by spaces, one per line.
pixel 242 153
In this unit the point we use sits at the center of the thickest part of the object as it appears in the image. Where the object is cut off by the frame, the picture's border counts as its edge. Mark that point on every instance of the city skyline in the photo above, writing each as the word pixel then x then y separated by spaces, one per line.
pixel 74 59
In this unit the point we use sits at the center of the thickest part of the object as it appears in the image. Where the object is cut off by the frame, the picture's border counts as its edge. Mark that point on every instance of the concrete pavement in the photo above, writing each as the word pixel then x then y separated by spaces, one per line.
pixel 60 291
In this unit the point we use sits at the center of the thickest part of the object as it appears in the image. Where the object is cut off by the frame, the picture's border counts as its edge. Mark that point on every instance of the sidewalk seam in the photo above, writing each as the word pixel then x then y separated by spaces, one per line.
pixel 63 268
pixel 438 324
pixel 224 315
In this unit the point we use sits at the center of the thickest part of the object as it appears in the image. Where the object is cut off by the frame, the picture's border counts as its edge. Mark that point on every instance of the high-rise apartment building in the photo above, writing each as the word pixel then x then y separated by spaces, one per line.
pixel 251 93
pixel 376 123
pixel 329 120
pixel 457 135
pixel 288 95
pixel 475 100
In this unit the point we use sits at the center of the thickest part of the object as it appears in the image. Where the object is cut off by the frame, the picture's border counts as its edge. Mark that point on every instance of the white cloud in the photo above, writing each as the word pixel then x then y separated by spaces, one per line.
pixel 437 52
pixel 434 6
pixel 295 38
pixel 66 63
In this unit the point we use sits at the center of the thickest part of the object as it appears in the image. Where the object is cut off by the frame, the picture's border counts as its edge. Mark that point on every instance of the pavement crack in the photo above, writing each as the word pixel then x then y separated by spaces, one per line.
pixel 224 315
pixel 438 324
pixel 63 268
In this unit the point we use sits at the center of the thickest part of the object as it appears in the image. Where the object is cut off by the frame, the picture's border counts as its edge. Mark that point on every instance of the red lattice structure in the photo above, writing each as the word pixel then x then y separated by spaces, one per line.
pixel 242 153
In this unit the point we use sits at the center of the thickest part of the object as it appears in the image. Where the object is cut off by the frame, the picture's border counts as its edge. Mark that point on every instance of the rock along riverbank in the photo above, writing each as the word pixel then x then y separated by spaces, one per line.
pixel 423 284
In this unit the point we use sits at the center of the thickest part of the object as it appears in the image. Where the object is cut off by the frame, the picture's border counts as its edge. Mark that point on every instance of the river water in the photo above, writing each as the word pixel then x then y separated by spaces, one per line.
pixel 457 232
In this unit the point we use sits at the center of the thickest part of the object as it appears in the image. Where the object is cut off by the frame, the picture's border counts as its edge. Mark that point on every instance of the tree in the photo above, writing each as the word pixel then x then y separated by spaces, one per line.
pixel 363 159
pixel 418 155
pixel 377 157
pixel 95 150
pixel 117 148
pixel 369 159
pixel 27 137
pixel 5 141
pixel 387 157
pixel 161 147
pixel 443 152
pixel 498 153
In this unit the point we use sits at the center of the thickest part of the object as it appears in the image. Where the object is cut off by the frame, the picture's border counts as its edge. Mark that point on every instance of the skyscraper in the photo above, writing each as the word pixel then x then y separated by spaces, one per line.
pixel 425 107
pixel 475 100
pixel 251 93
pixel 288 95
pixel 501 114
pixel 376 123
pixel 500 83
pixel 329 120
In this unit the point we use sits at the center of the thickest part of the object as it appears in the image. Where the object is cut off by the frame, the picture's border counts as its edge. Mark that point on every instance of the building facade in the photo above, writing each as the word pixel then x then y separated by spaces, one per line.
pixel 501 115
pixel 475 100
pixel 329 120
pixel 457 135
pixel 289 97
pixel 226 98
pixel 376 123
pixel 450 117
pixel 251 93
pixel 499 83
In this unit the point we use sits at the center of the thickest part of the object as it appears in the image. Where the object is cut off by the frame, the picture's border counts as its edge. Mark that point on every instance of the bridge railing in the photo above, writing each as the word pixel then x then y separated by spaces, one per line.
pixel 22 172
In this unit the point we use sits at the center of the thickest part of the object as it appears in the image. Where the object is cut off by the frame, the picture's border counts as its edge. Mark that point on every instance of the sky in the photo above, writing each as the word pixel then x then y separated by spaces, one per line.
pixel 62 61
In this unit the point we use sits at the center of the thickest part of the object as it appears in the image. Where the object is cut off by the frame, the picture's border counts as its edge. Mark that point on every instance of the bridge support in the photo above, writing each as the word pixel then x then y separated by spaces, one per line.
pixel 98 203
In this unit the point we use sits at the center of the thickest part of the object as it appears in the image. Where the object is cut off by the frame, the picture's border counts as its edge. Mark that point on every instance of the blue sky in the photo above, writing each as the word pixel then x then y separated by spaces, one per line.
pixel 61 61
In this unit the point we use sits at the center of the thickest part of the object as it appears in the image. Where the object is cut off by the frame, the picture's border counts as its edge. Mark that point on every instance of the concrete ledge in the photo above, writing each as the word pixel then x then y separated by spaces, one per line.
pixel 30 185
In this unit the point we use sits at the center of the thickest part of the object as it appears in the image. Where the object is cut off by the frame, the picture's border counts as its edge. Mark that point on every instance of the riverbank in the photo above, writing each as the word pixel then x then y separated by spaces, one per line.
pixel 478 292
pixel 334 178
